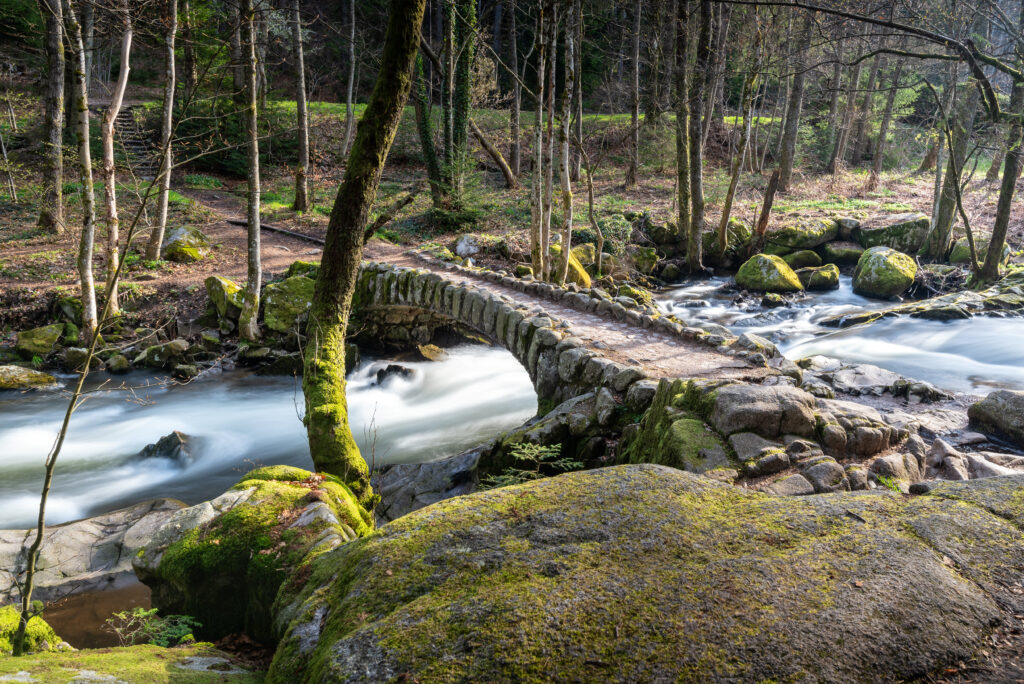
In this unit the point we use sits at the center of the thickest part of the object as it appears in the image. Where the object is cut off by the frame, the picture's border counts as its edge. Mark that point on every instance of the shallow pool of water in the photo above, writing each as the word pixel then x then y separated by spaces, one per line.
pixel 241 421
pixel 973 355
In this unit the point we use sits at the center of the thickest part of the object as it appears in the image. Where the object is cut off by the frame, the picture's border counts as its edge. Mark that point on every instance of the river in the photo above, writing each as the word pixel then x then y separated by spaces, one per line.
pixel 241 421
pixel 972 355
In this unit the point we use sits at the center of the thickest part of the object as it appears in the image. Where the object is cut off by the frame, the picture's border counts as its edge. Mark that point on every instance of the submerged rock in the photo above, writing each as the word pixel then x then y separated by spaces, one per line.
pixel 393 370
pixel 18 378
pixel 646 573
pixel 883 272
pixel 767 273
pixel 176 446
pixel 902 232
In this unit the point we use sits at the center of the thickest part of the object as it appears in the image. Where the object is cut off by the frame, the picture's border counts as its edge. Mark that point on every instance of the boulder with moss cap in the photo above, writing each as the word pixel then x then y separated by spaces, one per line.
pixel 821 278
pixel 803 234
pixel 39 636
pixel 226 296
pixel 883 272
pixel 224 561
pixel 646 573
pixel 185 245
pixel 767 273
pixel 902 232
pixel 18 378
pixel 285 303
pixel 39 341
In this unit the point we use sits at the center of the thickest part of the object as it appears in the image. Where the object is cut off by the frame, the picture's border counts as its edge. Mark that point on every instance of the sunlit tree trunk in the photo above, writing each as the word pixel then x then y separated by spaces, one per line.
pixel 538 249
pixel 109 175
pixel 839 149
pixel 248 328
pixel 682 123
pixel 51 211
pixel 301 202
pixel 549 143
pixel 80 108
pixel 465 42
pixel 564 133
pixel 156 237
pixel 331 443
pixel 793 110
pixel 883 128
pixel 514 157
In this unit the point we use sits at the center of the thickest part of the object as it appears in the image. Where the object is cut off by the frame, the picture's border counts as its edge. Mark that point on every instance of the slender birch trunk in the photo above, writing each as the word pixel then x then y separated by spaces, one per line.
pixel 698 91
pixel 564 169
pixel 109 172
pixel 248 328
pixel 350 88
pixel 156 237
pixel 538 249
pixel 188 51
pixel 634 150
pixel 81 123
pixel 549 144
pixel 301 202
pixel 515 105
pixel 682 123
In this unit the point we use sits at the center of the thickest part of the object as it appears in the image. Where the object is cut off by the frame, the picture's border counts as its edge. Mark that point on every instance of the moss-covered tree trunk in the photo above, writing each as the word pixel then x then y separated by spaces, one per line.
pixel 51 210
pixel 80 109
pixel 465 42
pixel 682 122
pixel 248 324
pixel 331 443
pixel 421 105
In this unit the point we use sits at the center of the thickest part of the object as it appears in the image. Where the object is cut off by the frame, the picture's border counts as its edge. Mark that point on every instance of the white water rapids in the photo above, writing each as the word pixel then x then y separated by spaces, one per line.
pixel 242 421
pixel 973 355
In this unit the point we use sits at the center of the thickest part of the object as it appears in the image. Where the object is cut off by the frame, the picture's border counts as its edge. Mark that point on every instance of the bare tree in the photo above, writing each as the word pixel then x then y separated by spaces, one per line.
pixel 156 236
pixel 248 328
pixel 634 150
pixel 564 134
pixel 793 110
pixel 301 202
pixel 349 113
pixel 107 140
pixel 698 91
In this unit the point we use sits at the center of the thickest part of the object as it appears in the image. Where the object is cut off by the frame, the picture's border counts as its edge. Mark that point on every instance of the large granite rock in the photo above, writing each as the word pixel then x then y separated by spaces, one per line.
pixel 18 378
pixel 94 554
pixel 646 573
pixel 767 273
pixel 223 561
pixel 902 232
pixel 285 303
pixel 1001 413
pixel 804 234
pixel 407 487
pixel 39 341
pixel 883 272
pixel 185 244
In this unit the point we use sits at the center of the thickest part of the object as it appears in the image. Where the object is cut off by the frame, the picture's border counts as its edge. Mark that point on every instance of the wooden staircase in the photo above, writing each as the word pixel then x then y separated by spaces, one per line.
pixel 141 154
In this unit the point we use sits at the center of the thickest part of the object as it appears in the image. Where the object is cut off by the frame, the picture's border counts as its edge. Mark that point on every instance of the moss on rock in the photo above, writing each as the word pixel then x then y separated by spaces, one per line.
pixel 883 272
pixel 802 259
pixel 840 252
pixel 310 269
pixel 646 573
pixel 39 341
pixel 285 303
pixel 226 296
pixel 902 232
pixel 767 273
pixel 805 234
pixel 227 569
pixel 185 244
pixel 820 278
pixel 576 273
pixel 961 253
pixel 18 378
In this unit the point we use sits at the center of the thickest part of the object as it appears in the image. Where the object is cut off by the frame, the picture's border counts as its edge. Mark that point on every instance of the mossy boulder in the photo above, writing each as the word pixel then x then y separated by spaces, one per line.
pixel 672 436
pixel 166 355
pixel 70 308
pixel 802 259
pixel 767 273
pixel 183 664
pixel 1000 413
pixel 224 561
pixel 840 252
pixel 820 278
pixel 226 296
pixel 737 233
pixel 883 272
pixel 645 259
pixel 285 303
pixel 39 636
pixel 644 573
pixel 902 232
pixel 961 253
pixel 576 273
pixel 39 341
pixel 804 234
pixel 522 270
pixel 586 254
pixel 310 269
pixel 185 245
pixel 639 294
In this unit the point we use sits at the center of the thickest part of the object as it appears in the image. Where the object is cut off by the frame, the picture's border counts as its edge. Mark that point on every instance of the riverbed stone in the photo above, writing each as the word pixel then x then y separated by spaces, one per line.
pixel 407 487
pixel 840 252
pixel 883 272
pixel 544 584
pixel 826 475
pixel 767 273
pixel 286 303
pixel 39 341
pixel 819 278
pixel 769 411
pixel 961 252
pixel 20 378
pixel 1000 413
pixel 901 232
pixel 165 355
pixel 803 259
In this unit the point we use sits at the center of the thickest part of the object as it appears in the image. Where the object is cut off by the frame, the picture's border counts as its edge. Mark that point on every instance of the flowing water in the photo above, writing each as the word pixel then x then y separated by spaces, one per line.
pixel 973 355
pixel 241 421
